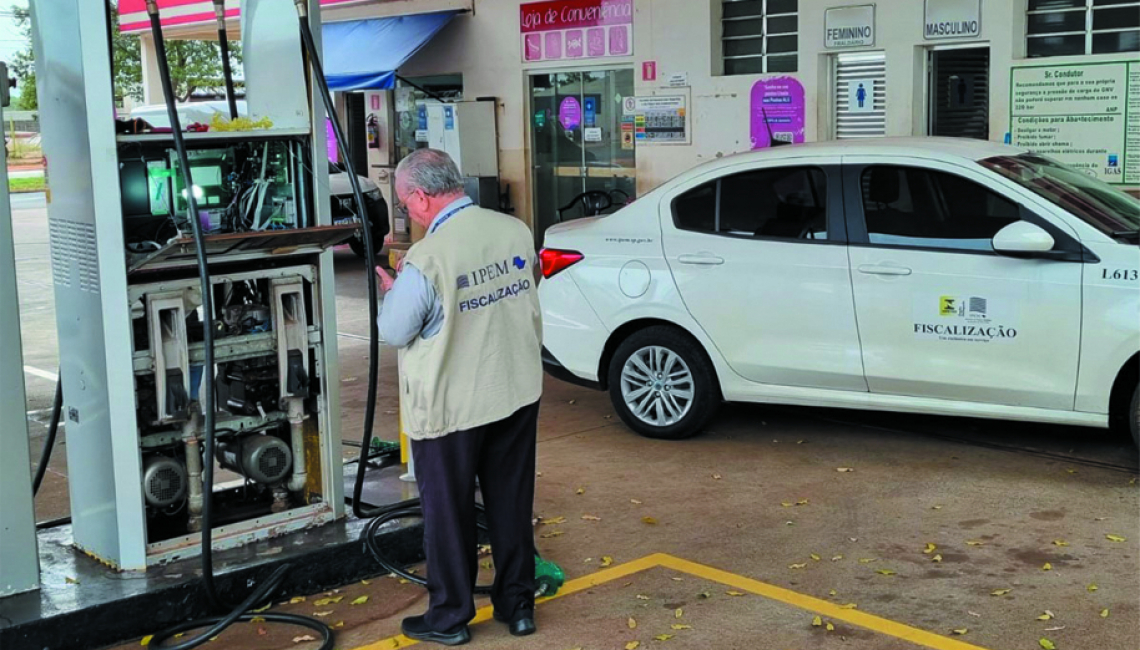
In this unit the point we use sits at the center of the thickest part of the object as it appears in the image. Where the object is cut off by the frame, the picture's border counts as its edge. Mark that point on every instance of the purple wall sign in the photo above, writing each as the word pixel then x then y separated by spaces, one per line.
pixel 780 101
pixel 575 29
pixel 570 113
pixel 330 141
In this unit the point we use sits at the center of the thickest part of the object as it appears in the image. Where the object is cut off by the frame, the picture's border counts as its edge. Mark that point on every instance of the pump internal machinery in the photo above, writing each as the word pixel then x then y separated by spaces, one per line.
pixel 130 306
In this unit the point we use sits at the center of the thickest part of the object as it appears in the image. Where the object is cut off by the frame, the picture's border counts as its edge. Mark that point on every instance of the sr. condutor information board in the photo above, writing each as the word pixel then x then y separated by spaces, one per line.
pixel 1086 115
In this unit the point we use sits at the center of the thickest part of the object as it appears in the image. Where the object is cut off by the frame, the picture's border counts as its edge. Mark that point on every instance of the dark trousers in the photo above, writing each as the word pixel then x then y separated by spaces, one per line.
pixel 501 454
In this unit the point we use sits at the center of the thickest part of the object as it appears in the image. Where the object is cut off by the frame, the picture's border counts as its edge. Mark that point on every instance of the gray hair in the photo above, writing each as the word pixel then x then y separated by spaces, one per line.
pixel 430 170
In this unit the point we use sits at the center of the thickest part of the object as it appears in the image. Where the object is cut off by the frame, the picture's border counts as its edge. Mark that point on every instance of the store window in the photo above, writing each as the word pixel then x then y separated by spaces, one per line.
pixel 759 36
pixel 780 202
pixel 1073 27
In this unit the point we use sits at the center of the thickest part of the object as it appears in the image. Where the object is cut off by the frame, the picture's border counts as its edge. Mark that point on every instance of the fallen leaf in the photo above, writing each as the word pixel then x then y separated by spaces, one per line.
pixel 635 502
pixel 262 609
pixel 257 619
pixel 146 639
pixel 591 518
pixel 365 582
pixel 580 490
pixel 817 621
pixel 734 593
pixel 405 581
pixel 1104 613
pixel 538 474
pixel 338 624
pixel 571 402
pixel 649 520
pixel 796 566
pixel 1092 587
pixel 814 557
pixel 663 637
pixel 961 630
pixel 716 477
pixel 787 504
pixel 886 572
pixel 296 599
pixel 322 614
pixel 836 558
pixel 830 627
pixel 552 521
pixel 607 560
pixel 1047 644
pixel 678 613
pixel 935 507
pixel 975 542
pixel 360 601
pixel 486 564
pixel 304 637
pixel 789 523
pixel 802 502
pixel 1060 542
pixel 676 579
pixel 1047 567
pixel 853 539
pixel 681 626
pixel 631 623
pixel 849 606
pixel 1048 615
pixel 633 645
pixel 1054 629
pixel 799 442
pixel 973 613
pixel 844 469
pixel 936 558
pixel 1000 592
pixel 866 560
pixel 642 597
pixel 833 593
pixel 71 581
pixel 1070 470
pixel 929 548
pixel 1115 538
pixel 553 533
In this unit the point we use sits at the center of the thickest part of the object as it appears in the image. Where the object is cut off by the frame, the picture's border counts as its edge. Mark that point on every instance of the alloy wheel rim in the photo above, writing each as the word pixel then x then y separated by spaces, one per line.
pixel 657 386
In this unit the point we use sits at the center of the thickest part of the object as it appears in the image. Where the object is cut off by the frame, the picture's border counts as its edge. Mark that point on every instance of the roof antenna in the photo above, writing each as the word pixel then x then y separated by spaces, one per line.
pixel 772 142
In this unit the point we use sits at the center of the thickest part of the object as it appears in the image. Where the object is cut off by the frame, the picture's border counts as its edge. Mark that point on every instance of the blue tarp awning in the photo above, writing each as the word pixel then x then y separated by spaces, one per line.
pixel 365 54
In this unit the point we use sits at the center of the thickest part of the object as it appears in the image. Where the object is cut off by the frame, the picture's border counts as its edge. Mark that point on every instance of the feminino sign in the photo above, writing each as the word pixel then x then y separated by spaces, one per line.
pixel 952 19
pixel 849 26
pixel 576 29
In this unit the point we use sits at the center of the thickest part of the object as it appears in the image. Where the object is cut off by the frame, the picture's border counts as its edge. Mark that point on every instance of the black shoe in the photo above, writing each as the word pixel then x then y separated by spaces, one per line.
pixel 416 627
pixel 521 624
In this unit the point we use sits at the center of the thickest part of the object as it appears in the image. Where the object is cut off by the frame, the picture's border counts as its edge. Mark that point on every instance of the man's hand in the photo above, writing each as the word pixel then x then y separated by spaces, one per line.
pixel 386 279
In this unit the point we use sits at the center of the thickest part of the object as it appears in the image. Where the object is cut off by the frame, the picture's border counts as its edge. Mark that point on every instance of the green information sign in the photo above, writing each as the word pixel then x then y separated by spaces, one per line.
pixel 1086 115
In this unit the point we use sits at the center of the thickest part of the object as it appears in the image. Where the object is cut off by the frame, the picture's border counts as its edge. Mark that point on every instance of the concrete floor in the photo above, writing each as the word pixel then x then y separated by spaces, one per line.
pixel 759 497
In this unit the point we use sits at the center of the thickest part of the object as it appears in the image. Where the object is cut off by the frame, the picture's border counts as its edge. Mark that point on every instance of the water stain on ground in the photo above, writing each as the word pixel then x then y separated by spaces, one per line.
pixel 1048 515
pixel 973 523
pixel 1038 557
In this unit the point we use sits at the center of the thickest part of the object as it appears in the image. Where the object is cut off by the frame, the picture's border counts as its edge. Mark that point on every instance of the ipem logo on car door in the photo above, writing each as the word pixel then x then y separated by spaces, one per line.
pixel 966 319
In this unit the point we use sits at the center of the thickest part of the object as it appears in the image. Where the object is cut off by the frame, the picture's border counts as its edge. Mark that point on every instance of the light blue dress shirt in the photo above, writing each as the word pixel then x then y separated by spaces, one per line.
pixel 413 307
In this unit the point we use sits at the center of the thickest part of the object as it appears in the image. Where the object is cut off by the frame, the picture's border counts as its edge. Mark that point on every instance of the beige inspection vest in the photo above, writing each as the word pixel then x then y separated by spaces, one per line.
pixel 485 363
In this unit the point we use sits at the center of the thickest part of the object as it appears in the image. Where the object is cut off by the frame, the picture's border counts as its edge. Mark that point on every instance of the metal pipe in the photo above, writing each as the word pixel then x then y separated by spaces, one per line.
pixel 193 451
pixel 224 44
pixel 296 411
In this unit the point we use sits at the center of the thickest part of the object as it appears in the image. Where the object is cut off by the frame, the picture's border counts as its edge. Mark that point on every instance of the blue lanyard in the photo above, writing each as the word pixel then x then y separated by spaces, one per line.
pixel 440 220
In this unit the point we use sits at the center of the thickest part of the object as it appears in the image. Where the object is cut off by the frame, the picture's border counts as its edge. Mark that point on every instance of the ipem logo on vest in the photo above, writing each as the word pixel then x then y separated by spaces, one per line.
pixel 488 273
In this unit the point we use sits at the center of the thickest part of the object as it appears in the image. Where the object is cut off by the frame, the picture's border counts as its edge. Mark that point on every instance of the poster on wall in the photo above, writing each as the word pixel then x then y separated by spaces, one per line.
pixel 861 95
pixel 777 108
pixel 575 29
pixel 660 120
pixel 1080 114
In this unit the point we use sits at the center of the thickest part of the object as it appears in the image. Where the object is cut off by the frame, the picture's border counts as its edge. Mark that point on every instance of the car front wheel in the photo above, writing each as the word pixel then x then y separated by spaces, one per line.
pixel 662 384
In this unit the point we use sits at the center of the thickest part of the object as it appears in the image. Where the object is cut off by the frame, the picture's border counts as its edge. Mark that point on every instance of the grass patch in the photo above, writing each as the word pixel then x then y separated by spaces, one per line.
pixel 34 184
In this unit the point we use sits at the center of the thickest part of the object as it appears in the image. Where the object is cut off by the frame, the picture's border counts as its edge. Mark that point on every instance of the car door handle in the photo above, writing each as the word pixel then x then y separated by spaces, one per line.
pixel 877 269
pixel 701 259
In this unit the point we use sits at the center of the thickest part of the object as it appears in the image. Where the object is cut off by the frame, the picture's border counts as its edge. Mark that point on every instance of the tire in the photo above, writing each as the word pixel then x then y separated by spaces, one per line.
pixel 379 224
pixel 654 407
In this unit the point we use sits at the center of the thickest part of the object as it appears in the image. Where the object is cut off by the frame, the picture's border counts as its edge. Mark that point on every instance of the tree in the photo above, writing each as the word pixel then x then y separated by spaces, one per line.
pixel 194 65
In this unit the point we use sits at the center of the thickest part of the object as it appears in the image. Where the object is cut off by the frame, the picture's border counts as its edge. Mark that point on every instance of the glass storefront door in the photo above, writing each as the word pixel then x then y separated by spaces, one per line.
pixel 577 142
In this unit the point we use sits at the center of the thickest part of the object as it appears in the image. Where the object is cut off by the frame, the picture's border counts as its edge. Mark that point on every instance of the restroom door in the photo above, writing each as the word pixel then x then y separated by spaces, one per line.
pixel 959 92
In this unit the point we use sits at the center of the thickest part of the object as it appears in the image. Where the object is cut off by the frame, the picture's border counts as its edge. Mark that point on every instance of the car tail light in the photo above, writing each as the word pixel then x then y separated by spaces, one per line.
pixel 554 260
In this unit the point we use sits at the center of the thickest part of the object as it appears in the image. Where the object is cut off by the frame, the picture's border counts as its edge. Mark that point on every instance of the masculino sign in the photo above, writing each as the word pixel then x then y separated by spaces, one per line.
pixel 576 29
pixel 849 26
pixel 952 19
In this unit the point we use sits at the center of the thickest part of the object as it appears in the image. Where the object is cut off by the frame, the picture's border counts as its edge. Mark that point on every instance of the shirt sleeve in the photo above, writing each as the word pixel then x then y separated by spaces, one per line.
pixel 406 308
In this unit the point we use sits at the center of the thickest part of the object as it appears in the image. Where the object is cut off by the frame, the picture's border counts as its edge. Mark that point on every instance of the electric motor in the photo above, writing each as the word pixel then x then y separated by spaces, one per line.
pixel 164 481
pixel 261 458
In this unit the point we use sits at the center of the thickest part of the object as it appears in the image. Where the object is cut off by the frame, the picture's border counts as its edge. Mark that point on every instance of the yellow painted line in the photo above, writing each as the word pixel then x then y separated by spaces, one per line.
pixel 786 596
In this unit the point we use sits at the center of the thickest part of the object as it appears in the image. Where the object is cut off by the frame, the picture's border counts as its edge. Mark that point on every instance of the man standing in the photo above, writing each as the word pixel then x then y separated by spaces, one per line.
pixel 465 315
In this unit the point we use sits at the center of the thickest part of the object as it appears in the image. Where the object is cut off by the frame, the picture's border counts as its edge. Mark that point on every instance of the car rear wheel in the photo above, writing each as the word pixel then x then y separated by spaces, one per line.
pixel 1134 416
pixel 662 384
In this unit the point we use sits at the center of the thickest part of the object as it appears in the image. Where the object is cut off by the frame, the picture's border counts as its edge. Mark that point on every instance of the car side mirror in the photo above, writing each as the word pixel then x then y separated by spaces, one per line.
pixel 1024 239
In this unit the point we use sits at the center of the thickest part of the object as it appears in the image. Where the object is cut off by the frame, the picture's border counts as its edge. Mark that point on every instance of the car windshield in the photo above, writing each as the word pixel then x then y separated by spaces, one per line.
pixel 1097 203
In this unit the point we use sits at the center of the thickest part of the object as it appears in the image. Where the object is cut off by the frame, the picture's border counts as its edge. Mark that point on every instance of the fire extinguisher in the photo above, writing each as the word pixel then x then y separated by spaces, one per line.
pixel 373 126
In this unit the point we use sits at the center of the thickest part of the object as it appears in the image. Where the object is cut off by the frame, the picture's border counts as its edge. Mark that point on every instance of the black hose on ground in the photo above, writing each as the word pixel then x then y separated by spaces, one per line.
pixel 49 442
pixel 263 593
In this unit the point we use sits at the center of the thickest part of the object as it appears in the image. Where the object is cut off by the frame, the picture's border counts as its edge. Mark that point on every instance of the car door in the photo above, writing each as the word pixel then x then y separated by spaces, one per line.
pixel 758 254
pixel 941 315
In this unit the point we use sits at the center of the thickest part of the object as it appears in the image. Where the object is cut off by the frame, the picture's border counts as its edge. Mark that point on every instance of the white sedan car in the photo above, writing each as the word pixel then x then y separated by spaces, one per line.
pixel 921 275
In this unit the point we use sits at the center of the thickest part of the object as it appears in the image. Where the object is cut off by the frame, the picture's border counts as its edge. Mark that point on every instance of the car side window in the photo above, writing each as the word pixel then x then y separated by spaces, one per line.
pixel 780 202
pixel 922 208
